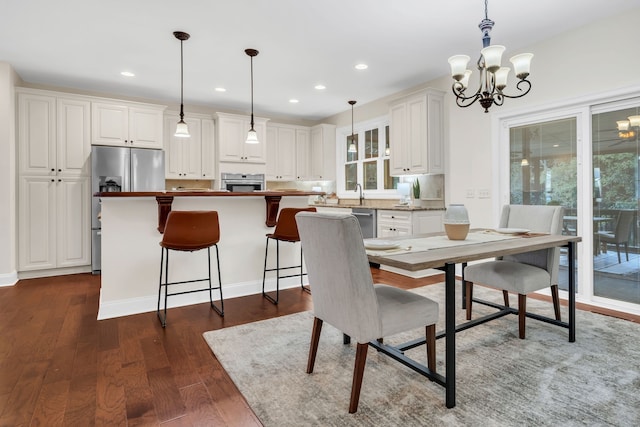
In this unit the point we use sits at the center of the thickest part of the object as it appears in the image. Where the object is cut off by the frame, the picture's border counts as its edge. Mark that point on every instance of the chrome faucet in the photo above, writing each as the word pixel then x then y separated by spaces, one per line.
pixel 361 195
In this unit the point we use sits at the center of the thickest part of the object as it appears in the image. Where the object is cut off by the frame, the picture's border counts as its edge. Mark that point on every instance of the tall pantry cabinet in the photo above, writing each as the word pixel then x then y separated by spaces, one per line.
pixel 54 180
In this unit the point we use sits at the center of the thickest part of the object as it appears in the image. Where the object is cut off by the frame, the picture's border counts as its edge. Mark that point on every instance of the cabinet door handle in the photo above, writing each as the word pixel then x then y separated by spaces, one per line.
pixel 53 170
pixel 59 170
pixel 53 180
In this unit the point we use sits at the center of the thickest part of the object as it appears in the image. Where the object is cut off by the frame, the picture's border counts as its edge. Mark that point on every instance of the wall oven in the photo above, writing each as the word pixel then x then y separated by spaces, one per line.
pixel 242 182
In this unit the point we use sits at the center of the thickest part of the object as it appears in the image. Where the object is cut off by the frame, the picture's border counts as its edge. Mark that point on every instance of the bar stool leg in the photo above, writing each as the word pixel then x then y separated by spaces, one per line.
pixel 220 310
pixel 163 318
pixel 264 274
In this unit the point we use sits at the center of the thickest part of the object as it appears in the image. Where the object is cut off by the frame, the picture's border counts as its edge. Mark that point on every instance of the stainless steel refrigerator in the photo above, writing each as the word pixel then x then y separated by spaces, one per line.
pixel 121 169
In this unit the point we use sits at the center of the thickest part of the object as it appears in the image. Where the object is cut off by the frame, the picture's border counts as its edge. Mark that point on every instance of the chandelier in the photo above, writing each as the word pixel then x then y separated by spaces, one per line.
pixel 624 127
pixel 493 77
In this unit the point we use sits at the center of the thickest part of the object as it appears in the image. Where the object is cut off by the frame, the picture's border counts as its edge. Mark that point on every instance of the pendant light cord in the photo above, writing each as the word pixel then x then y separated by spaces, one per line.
pixel 486 9
pixel 181 84
pixel 352 138
pixel 252 93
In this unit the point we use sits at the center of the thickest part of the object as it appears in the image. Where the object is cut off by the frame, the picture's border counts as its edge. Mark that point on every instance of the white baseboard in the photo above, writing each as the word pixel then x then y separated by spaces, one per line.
pixel 126 307
pixel 8 279
pixel 34 274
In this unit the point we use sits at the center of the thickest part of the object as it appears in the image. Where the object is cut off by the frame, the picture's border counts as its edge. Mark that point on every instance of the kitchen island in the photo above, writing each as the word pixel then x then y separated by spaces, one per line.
pixel 131 231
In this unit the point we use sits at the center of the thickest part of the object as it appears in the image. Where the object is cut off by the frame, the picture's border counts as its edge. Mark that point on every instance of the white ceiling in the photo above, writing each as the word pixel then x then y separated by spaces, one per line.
pixel 85 44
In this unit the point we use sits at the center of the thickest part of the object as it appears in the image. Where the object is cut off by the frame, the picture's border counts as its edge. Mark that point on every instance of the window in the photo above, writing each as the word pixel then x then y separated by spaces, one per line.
pixel 369 164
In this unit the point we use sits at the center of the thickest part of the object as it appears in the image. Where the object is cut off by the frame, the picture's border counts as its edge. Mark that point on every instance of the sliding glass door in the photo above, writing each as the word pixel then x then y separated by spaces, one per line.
pixel 543 171
pixel 586 159
pixel 615 158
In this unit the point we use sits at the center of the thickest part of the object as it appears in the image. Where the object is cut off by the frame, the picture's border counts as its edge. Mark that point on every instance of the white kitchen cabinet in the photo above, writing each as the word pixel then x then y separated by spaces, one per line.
pixel 54 190
pixel 54 226
pixel 322 160
pixel 208 148
pixel 416 133
pixel 281 153
pixel 182 155
pixel 402 223
pixel 193 157
pixel 232 134
pixel 53 135
pixel 126 124
pixel 303 154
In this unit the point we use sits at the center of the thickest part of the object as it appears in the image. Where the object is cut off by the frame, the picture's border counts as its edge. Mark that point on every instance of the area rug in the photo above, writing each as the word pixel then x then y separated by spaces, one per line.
pixel 501 380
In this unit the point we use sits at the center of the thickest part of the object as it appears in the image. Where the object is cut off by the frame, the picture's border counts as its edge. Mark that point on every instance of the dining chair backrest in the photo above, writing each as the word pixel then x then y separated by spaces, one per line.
pixel 339 274
pixel 540 219
pixel 623 226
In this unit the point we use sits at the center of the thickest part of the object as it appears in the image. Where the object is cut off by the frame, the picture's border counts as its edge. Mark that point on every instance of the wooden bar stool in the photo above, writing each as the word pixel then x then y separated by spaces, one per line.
pixel 286 231
pixel 189 231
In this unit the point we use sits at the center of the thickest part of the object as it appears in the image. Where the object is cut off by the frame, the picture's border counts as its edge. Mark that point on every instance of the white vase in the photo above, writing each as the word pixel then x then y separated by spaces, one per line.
pixel 456 222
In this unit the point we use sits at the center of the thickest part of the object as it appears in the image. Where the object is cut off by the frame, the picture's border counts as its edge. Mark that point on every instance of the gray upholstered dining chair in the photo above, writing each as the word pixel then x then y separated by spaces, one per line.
pixel 522 273
pixel 345 296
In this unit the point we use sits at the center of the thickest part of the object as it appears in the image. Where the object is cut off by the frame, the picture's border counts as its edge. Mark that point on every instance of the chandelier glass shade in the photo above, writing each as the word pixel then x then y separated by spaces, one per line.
pixel 182 130
pixel 252 135
pixel 493 76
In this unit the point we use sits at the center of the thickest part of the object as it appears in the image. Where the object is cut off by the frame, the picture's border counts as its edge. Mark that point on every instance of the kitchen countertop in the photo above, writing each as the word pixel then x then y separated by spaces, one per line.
pixel 381 207
pixel 207 193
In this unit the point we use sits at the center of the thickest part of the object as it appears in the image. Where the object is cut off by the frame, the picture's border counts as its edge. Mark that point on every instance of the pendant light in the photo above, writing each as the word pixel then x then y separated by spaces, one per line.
pixel 182 130
pixel 352 147
pixel 252 135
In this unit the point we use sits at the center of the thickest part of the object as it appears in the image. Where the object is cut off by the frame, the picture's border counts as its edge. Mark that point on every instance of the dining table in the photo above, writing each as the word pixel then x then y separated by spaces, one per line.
pixel 436 251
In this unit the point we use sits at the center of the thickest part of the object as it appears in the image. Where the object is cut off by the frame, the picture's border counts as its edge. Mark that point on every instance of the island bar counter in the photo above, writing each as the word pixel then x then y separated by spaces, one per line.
pixel 131 250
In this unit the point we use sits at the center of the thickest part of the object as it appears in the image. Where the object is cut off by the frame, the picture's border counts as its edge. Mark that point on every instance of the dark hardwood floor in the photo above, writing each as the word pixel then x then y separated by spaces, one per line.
pixel 59 366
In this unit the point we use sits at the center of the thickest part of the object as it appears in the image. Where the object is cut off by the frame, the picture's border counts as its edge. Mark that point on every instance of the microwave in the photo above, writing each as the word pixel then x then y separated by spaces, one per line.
pixel 240 182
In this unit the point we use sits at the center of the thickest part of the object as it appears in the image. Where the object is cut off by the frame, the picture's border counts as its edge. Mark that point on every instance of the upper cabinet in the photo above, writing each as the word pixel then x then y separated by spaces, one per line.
pixel 281 153
pixel 287 152
pixel 232 134
pixel 53 135
pixel 126 124
pixel 322 150
pixel 193 157
pixel 416 127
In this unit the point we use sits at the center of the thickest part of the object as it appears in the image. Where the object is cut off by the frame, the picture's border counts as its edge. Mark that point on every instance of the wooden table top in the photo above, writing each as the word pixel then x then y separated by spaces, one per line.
pixel 434 258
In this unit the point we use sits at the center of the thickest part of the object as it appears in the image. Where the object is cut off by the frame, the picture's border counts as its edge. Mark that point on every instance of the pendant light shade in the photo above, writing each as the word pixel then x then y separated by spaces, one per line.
pixel 352 146
pixel 252 135
pixel 182 130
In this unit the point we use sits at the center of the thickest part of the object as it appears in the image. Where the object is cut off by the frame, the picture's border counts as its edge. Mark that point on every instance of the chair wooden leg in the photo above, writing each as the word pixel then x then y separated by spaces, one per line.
pixel 313 348
pixel 556 301
pixel 358 373
pixel 522 314
pixel 469 298
pixel 505 296
pixel 618 250
pixel 431 347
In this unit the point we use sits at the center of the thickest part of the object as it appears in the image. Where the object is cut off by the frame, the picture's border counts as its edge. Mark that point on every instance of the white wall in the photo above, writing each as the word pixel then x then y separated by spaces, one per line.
pixel 8 78
pixel 593 59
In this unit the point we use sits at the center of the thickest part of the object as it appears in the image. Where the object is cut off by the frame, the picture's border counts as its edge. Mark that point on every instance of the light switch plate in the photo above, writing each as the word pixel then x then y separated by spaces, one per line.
pixel 471 193
pixel 484 194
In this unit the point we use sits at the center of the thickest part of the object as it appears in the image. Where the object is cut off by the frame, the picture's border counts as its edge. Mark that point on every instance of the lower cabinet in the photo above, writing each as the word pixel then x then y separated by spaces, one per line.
pixel 54 222
pixel 403 223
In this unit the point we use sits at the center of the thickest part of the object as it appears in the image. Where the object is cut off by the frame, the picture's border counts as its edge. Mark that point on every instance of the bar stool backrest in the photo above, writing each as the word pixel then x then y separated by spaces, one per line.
pixel 191 230
pixel 286 227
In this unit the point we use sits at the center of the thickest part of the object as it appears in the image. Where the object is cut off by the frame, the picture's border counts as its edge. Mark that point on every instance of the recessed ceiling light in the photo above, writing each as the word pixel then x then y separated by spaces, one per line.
pixel 220 89
pixel 361 66
pixel 127 74
pixel 293 101
pixel 320 87
pixel 556 145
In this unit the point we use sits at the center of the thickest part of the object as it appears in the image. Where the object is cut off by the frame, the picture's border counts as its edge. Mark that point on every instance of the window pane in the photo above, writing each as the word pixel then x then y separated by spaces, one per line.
pixel 352 157
pixel 616 264
pixel 370 175
pixel 371 143
pixel 390 182
pixel 387 150
pixel 350 176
